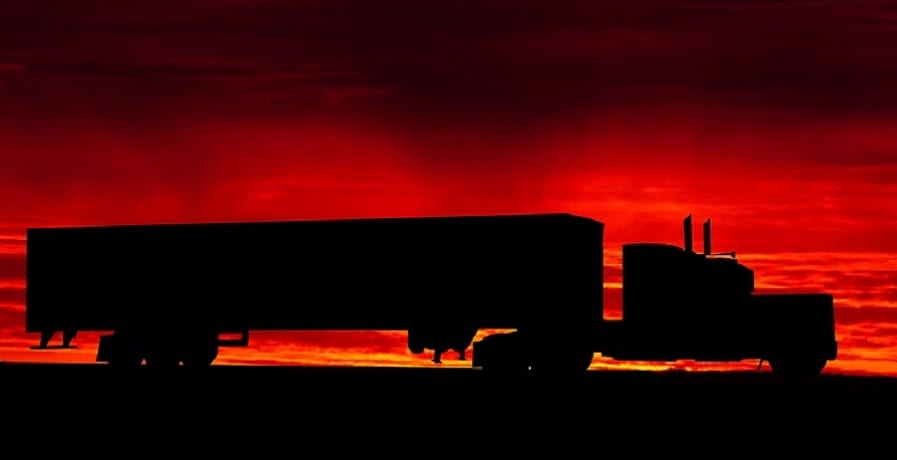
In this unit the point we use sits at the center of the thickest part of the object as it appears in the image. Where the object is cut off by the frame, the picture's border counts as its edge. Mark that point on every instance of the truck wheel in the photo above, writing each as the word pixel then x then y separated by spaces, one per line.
pixel 200 354
pixel 501 355
pixel 559 351
pixel 199 348
pixel 796 365
pixel 162 359
pixel 125 359
pixel 415 341
pixel 119 351
pixel 562 363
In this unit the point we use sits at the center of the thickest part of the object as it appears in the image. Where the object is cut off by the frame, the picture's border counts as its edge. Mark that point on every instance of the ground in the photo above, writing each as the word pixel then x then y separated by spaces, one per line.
pixel 398 406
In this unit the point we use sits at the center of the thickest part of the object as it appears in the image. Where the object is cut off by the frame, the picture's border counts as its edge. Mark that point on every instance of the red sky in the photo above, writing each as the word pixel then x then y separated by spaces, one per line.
pixel 774 118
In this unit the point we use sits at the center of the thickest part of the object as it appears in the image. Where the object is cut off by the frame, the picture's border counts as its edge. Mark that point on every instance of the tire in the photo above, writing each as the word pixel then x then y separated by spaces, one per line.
pixel 200 354
pixel 120 351
pixel 563 356
pixel 162 359
pixel 797 365
pixel 415 342
pixel 562 362
pixel 125 361
pixel 501 355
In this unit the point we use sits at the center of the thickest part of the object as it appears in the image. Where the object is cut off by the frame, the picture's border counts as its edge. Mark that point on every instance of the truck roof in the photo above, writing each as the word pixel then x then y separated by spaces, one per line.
pixel 501 217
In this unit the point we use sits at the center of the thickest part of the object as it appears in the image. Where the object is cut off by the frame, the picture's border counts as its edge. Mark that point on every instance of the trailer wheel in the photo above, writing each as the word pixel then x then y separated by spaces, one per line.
pixel 119 351
pixel 130 361
pixel 415 341
pixel 562 362
pixel 797 365
pixel 200 358
pixel 201 353
pixel 567 354
pixel 162 359
pixel 501 355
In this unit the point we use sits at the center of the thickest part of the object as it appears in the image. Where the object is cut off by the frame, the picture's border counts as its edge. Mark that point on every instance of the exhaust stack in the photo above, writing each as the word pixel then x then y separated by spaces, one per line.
pixel 707 250
pixel 688 238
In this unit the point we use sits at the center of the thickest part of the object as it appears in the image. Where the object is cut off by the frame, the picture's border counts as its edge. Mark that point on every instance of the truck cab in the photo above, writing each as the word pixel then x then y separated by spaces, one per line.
pixel 678 304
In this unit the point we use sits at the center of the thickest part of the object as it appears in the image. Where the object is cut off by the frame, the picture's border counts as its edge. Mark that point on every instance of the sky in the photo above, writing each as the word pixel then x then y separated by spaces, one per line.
pixel 775 118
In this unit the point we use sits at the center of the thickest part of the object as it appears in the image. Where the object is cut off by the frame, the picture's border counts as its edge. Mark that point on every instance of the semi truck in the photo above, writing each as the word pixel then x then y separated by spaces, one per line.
pixel 171 294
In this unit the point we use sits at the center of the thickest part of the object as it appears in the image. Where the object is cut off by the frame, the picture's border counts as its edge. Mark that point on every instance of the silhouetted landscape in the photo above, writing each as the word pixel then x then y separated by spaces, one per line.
pixel 608 391
pixel 387 411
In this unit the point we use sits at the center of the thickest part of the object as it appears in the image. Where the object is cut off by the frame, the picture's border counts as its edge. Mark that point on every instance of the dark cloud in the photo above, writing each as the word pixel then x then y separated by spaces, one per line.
pixel 489 105
pixel 458 60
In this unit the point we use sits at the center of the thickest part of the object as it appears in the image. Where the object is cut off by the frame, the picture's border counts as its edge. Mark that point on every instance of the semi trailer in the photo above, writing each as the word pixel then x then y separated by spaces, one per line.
pixel 174 293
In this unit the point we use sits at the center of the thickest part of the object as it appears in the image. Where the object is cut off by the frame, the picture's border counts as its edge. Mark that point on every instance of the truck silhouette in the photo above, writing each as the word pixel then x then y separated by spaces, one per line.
pixel 170 293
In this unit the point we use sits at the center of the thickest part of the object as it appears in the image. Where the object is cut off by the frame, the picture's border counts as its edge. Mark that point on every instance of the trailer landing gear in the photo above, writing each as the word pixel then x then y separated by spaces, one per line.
pixel 441 339
pixel 47 335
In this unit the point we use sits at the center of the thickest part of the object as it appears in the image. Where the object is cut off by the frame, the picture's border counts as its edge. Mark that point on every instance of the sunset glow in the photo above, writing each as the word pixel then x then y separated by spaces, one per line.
pixel 776 119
